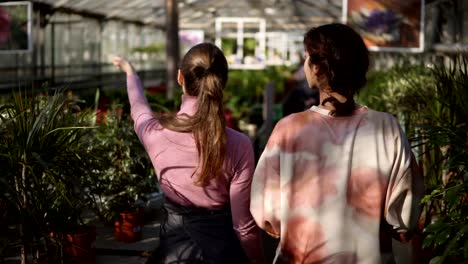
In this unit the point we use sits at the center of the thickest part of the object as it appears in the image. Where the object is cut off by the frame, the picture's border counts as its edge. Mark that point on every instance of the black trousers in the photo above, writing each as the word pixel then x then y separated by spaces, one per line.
pixel 196 236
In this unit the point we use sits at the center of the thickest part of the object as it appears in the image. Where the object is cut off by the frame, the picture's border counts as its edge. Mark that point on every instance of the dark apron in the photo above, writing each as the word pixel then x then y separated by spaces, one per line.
pixel 197 235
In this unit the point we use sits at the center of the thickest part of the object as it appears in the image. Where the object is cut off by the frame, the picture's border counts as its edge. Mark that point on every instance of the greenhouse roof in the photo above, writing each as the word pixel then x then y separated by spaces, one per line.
pixel 280 15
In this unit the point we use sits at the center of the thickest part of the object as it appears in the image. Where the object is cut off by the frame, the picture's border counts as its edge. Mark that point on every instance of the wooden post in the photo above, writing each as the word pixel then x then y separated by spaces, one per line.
pixel 172 46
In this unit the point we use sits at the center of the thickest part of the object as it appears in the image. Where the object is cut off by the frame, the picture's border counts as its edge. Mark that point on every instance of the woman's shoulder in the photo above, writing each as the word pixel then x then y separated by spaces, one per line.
pixel 385 117
pixel 384 121
pixel 295 122
pixel 239 147
pixel 236 137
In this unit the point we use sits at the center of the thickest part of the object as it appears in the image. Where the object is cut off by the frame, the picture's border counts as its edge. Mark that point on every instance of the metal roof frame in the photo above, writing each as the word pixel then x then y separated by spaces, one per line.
pixel 280 15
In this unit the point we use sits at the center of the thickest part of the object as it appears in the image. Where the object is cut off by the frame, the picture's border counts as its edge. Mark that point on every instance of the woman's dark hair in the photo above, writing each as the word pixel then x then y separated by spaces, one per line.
pixel 342 60
pixel 205 73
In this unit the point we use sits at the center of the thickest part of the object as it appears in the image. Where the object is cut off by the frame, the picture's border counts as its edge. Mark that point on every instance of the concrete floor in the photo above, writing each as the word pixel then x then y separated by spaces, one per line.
pixel 110 251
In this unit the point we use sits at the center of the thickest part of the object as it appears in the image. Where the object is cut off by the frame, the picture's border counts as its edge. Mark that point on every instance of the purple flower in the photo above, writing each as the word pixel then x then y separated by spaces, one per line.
pixel 381 20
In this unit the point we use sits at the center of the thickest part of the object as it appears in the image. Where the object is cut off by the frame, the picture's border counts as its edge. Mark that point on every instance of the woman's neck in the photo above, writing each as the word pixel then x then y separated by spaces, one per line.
pixel 327 105
pixel 326 94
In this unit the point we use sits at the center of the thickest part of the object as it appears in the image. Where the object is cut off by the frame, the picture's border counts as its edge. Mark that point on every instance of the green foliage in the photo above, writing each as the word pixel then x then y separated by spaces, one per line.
pixel 160 103
pixel 126 173
pixel 155 48
pixel 245 88
pixel 432 103
pixel 249 46
pixel 446 163
pixel 228 46
pixel 404 90
pixel 42 163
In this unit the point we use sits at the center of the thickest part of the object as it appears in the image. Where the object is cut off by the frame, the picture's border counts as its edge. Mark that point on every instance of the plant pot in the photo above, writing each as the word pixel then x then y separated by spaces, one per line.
pixel 79 246
pixel 128 226
pixel 421 255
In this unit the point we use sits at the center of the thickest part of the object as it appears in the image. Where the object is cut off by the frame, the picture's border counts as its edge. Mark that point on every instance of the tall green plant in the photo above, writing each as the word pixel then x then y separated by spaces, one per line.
pixel 446 163
pixel 42 161
pixel 432 102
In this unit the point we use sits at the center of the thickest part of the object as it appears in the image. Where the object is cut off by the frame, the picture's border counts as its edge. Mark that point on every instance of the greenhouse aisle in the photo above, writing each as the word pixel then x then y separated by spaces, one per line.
pixel 108 250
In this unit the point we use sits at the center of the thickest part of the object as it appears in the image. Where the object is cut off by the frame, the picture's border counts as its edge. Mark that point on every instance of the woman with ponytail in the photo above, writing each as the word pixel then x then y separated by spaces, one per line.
pixel 335 183
pixel 204 168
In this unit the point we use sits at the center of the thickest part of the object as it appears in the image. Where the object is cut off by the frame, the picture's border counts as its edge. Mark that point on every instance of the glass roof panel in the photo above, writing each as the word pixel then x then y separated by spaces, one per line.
pixel 281 15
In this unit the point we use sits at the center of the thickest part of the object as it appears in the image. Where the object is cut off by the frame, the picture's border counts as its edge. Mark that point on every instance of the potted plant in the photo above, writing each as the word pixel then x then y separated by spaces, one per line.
pixel 43 160
pixel 126 175
pixel 128 221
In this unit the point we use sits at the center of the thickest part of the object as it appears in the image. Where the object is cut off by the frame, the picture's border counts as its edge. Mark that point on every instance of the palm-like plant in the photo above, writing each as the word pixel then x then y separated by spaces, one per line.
pixel 42 161
pixel 432 101
pixel 446 163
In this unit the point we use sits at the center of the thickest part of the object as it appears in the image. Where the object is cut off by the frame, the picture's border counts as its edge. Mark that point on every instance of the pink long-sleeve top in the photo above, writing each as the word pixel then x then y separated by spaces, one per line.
pixel 174 156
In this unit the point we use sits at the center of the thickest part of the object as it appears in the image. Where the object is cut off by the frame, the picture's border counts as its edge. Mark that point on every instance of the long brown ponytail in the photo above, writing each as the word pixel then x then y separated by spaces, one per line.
pixel 205 71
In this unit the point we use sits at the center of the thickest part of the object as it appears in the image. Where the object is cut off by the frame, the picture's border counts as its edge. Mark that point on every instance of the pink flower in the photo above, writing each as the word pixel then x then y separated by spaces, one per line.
pixel 4 26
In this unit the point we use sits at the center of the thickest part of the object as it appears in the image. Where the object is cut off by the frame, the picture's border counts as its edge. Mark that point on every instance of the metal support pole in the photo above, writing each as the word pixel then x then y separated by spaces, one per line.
pixel 52 54
pixel 172 46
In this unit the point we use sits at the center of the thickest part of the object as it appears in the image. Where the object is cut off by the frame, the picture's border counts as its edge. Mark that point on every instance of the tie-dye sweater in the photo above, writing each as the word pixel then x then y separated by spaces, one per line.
pixel 325 184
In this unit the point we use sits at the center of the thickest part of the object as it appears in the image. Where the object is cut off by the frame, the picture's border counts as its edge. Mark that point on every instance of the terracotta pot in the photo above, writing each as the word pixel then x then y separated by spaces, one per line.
pixel 78 245
pixel 127 228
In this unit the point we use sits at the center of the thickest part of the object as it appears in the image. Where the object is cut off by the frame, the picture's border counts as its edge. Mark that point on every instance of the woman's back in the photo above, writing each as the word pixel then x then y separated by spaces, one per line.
pixel 328 181
pixel 204 169
pixel 175 158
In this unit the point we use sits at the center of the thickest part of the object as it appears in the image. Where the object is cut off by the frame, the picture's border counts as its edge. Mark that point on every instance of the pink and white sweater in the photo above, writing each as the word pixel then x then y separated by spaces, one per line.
pixel 324 184
pixel 174 156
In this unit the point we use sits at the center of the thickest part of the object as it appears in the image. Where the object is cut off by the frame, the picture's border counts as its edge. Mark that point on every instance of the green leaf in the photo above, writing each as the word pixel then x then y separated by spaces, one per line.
pixel 426 199
pixel 451 197
pixel 436 260
pixel 435 191
pixel 465 249
pixel 442 237
pixel 435 227
pixel 428 240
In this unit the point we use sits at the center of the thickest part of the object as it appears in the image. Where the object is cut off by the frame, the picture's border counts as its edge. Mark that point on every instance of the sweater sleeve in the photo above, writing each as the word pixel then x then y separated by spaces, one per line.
pixel 405 188
pixel 266 193
pixel 243 223
pixel 139 107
